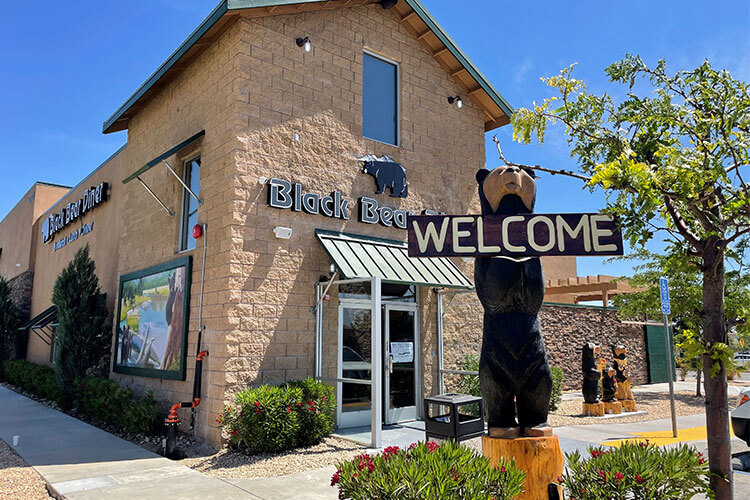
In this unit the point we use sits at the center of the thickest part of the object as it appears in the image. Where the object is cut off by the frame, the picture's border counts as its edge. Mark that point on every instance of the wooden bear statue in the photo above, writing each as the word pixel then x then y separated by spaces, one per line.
pixel 513 363
pixel 591 373
pixel 623 393
pixel 608 385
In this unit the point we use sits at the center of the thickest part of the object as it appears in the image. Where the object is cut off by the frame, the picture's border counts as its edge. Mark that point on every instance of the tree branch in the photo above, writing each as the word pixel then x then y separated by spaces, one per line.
pixel 681 226
pixel 537 167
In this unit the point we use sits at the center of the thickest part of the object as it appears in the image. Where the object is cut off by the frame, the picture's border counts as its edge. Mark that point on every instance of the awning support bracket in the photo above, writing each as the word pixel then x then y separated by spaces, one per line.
pixel 179 179
pixel 170 212
pixel 314 308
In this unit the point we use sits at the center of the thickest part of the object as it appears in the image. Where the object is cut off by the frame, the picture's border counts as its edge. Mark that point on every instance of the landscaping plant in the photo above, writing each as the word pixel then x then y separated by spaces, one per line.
pixel 636 470
pixel 427 471
pixel 9 322
pixel 102 399
pixel 84 332
pixel 270 418
pixel 36 379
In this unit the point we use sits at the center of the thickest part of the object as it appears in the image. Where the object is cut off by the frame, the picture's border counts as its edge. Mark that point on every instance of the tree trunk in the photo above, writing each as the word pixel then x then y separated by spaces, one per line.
pixel 717 407
pixel 698 374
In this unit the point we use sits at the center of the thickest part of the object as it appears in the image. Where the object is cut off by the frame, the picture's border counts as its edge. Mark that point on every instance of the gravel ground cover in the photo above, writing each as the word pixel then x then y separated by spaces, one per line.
pixel 229 463
pixel 18 480
pixel 655 404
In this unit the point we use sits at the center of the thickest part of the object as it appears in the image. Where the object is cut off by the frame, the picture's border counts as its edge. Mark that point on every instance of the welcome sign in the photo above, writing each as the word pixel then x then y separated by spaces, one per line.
pixel 513 235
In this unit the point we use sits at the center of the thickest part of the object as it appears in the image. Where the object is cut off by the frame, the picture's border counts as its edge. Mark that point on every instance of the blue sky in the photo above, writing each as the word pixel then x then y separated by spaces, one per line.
pixel 66 66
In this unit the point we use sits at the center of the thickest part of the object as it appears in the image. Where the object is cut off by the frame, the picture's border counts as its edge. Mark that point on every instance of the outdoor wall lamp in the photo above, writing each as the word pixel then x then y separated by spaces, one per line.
pixel 283 233
pixel 304 42
pixel 459 102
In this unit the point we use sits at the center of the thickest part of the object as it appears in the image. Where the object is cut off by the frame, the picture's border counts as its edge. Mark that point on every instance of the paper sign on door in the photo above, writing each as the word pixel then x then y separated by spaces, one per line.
pixel 402 352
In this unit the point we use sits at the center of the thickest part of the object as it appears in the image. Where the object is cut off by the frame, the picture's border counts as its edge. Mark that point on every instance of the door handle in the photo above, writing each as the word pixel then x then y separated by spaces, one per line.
pixel 390 363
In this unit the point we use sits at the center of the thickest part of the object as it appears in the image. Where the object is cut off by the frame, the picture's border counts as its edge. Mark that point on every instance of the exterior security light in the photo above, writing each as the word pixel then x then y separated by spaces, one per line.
pixel 305 42
pixel 283 233
pixel 459 102
pixel 262 180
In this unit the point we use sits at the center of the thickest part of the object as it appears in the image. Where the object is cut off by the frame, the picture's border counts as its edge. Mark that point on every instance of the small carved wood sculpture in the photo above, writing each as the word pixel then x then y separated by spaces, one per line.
pixel 591 376
pixel 608 385
pixel 623 393
pixel 514 374
pixel 591 373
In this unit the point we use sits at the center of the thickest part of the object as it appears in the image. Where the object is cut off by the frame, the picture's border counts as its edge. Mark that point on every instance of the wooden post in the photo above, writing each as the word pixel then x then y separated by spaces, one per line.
pixel 540 457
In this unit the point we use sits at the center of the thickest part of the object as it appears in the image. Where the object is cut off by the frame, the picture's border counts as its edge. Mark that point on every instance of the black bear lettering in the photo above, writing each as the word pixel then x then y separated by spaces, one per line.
pixel 387 173
pixel 513 371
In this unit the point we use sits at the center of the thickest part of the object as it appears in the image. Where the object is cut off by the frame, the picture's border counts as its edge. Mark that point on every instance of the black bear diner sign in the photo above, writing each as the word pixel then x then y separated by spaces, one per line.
pixel 56 222
pixel 513 235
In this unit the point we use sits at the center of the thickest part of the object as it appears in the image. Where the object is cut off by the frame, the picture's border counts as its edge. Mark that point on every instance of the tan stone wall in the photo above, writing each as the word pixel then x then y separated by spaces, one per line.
pixel 201 98
pixel 103 243
pixel 319 96
pixel 16 235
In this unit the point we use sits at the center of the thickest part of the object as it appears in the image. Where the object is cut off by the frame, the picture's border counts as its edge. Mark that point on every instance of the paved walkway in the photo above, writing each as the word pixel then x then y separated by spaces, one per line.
pixel 81 462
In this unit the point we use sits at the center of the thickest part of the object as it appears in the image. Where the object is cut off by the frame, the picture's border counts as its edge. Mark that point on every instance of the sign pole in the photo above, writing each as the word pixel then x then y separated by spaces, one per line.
pixel 666 310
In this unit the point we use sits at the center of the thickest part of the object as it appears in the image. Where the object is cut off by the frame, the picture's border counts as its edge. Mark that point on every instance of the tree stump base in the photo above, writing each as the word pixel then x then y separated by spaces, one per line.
pixel 540 457
pixel 593 409
pixel 612 407
pixel 623 391
pixel 629 405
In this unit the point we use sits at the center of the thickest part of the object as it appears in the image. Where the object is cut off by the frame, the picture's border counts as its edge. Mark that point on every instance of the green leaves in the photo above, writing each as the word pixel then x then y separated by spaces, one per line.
pixel 426 471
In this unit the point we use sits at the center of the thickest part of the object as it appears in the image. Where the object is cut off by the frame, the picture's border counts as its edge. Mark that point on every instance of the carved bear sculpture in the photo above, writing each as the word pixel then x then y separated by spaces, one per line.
pixel 608 385
pixel 513 363
pixel 591 373
pixel 387 173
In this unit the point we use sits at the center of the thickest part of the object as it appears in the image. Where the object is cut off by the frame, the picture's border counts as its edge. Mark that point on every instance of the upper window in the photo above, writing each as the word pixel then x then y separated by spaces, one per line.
pixel 380 103
pixel 192 177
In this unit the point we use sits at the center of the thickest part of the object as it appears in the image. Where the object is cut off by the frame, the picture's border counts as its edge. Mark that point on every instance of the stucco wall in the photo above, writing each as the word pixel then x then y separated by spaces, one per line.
pixel 102 240
pixel 16 235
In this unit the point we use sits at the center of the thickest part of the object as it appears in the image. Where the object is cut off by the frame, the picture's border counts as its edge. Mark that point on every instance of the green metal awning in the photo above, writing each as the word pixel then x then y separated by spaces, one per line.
pixel 361 257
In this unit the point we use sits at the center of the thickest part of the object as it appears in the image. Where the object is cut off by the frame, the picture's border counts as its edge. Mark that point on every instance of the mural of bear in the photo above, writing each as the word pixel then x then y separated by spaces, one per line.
pixel 513 363
pixel 387 173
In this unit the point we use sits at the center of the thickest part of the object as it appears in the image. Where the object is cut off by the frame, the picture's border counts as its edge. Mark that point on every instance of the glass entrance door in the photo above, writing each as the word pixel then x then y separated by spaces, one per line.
pixel 401 351
pixel 355 363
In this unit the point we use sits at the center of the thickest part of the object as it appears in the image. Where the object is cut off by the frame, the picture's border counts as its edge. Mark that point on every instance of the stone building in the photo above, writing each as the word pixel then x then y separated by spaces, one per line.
pixel 258 128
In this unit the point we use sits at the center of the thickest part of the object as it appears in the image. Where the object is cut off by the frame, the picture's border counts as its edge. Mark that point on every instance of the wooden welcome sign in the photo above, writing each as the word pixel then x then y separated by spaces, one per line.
pixel 513 235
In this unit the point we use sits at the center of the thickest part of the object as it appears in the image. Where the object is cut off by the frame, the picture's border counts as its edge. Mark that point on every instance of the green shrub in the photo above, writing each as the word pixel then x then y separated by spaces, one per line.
pixel 469 384
pixel 36 379
pixel 9 323
pixel 448 471
pixel 103 400
pixel 83 335
pixel 275 418
pixel 557 383
pixel 636 470
pixel 316 419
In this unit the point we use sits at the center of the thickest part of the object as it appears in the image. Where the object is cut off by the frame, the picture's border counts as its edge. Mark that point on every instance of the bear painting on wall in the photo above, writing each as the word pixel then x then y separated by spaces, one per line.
pixel 514 374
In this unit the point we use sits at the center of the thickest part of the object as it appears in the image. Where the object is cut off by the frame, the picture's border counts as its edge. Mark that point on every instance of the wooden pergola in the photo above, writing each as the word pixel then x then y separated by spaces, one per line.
pixel 586 288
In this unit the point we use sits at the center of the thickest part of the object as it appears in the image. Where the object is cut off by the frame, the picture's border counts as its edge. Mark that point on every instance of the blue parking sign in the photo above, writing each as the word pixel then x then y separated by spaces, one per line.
pixel 664 288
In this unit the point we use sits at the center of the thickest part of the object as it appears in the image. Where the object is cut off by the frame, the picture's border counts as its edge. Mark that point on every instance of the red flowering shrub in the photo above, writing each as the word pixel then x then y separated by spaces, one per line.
pixel 428 471
pixel 275 418
pixel 635 470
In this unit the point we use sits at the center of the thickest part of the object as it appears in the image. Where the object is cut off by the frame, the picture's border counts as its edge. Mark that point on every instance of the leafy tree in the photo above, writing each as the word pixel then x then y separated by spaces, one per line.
pixel 9 320
pixel 82 340
pixel 672 160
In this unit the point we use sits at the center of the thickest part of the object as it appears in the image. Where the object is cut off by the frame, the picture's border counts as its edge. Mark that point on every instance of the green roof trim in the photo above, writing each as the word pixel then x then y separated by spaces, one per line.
pixel 427 18
pixel 202 28
pixel 164 156
pixel 227 5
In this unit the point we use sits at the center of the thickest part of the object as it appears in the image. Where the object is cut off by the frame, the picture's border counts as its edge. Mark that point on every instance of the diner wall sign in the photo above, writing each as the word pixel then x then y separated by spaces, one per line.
pixel 71 212
pixel 519 235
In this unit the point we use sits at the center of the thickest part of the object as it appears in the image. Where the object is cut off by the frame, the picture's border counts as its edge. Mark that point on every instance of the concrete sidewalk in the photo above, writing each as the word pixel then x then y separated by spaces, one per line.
pixel 80 462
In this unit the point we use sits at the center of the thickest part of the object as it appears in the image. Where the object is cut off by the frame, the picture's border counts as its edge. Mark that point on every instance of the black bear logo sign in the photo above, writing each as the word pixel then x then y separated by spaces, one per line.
pixel 387 173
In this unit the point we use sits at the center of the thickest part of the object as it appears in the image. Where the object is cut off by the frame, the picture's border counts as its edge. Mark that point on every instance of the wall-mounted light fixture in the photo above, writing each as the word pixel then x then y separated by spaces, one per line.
pixel 387 4
pixel 457 99
pixel 282 233
pixel 262 180
pixel 305 43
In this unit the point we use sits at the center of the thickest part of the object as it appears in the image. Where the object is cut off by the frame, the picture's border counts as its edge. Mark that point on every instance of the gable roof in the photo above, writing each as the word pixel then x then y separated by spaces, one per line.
pixel 411 13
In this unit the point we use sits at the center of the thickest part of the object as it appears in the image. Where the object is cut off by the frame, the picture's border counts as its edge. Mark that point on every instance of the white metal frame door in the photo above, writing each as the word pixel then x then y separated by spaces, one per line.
pixel 349 369
pixel 404 355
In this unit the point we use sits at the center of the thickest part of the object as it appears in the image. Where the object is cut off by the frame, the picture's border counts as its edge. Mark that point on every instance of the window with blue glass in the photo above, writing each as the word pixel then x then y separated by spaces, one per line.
pixel 380 103
pixel 192 177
